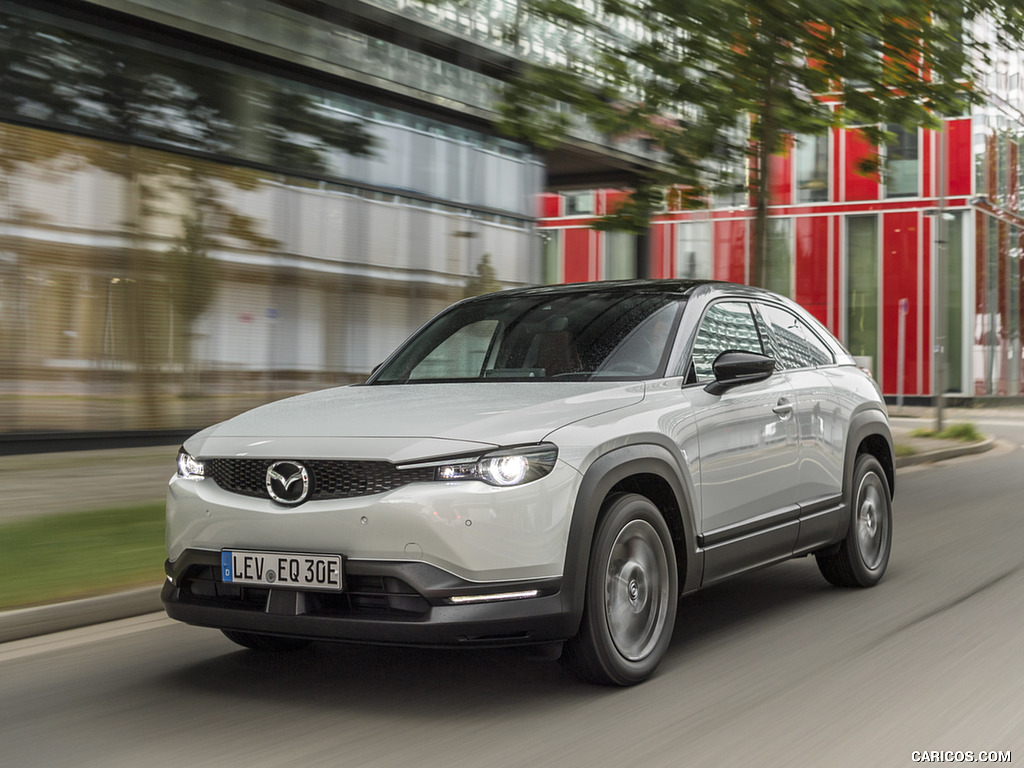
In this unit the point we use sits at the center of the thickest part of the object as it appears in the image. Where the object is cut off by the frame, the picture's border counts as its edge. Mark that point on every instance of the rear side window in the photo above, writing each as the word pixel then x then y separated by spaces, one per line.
pixel 728 325
pixel 791 342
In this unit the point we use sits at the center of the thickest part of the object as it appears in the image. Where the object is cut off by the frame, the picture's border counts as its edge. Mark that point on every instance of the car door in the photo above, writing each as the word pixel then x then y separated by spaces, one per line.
pixel 818 415
pixel 747 442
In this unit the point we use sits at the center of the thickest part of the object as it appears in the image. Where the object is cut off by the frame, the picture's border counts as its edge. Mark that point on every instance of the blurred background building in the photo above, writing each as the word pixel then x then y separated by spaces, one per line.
pixel 206 204
pixel 931 245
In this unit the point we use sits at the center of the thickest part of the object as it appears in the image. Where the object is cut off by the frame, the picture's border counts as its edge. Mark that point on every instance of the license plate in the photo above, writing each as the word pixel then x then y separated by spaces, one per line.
pixel 282 569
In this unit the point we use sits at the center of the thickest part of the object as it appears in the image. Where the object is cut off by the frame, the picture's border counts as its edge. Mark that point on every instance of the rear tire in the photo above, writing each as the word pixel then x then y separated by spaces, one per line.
pixel 259 642
pixel 632 591
pixel 863 555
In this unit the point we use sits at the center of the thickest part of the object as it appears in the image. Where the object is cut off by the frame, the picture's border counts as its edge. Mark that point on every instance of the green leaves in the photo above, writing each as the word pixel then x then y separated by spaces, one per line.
pixel 690 77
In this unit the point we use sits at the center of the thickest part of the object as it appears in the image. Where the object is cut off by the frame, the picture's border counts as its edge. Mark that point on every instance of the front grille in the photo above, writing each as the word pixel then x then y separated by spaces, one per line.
pixel 329 479
pixel 364 596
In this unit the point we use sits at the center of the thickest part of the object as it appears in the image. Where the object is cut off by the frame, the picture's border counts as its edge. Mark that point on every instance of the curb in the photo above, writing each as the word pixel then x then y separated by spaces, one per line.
pixel 964 449
pixel 45 619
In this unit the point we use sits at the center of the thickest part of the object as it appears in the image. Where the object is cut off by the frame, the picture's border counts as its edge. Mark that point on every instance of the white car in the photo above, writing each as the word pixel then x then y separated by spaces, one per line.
pixel 550 466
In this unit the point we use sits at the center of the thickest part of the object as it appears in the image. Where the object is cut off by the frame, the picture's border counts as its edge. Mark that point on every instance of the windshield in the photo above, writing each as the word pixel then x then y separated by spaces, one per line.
pixel 526 337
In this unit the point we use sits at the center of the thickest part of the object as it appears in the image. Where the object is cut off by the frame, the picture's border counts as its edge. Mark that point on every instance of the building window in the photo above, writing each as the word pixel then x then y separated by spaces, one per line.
pixel 811 168
pixel 953 310
pixel 902 167
pixel 862 290
pixel 1002 168
pixel 619 256
pixel 693 258
pixel 777 269
pixel 1013 313
pixel 551 256
pixel 579 203
pixel 730 165
pixel 980 150
pixel 990 320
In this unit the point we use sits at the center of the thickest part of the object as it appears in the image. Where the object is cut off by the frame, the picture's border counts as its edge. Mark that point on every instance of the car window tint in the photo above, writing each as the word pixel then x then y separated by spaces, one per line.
pixel 642 349
pixel 460 356
pixel 794 344
pixel 728 325
pixel 573 336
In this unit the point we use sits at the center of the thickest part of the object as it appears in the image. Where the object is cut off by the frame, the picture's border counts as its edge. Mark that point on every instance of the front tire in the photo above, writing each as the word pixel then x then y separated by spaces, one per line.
pixel 863 555
pixel 259 642
pixel 632 591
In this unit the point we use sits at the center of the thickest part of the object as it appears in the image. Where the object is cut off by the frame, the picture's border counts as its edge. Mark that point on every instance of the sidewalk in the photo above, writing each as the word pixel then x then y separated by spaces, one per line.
pixel 928 450
pixel 41 484
pixel 78 481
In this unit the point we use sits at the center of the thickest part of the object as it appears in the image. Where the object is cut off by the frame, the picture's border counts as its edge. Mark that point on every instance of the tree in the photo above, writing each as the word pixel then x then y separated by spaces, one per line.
pixel 714 86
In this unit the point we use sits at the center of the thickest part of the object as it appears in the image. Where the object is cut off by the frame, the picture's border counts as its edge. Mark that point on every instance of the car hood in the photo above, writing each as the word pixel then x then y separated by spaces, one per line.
pixel 406 422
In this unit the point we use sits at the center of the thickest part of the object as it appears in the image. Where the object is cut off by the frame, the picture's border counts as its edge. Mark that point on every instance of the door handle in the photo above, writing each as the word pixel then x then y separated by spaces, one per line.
pixel 783 409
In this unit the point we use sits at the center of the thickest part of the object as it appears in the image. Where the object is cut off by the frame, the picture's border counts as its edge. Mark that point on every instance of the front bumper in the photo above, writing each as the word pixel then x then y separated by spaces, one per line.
pixel 400 603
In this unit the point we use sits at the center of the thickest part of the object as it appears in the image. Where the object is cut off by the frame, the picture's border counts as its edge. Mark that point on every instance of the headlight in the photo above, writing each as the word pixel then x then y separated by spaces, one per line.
pixel 189 466
pixel 506 467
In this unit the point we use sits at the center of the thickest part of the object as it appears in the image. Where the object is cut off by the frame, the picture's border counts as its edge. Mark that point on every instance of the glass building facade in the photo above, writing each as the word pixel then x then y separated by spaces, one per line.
pixel 206 206
pixel 186 230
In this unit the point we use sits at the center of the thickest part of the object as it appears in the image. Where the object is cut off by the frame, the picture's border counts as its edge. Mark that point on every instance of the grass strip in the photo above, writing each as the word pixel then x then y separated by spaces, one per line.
pixel 966 433
pixel 80 554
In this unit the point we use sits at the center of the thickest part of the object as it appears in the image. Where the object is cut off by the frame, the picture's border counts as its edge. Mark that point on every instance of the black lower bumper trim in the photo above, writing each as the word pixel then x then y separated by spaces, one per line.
pixel 384 603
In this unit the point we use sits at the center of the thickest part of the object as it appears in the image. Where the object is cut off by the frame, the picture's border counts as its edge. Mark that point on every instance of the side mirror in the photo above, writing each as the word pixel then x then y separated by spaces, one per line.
pixel 733 368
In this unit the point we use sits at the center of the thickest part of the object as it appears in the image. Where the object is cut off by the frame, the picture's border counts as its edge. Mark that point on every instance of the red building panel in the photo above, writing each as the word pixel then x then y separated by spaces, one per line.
pixel 580 255
pixel 663 250
pixel 780 180
pixel 731 250
pixel 811 264
pixel 608 201
pixel 550 205
pixel 924 308
pixel 900 265
pixel 858 185
pixel 960 168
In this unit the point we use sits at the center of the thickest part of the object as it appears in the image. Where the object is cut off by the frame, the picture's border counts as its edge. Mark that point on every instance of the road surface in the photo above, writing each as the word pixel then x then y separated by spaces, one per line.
pixel 772 669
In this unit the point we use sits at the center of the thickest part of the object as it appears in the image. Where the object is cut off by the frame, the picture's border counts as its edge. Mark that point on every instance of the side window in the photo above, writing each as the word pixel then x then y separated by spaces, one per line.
pixel 794 344
pixel 728 325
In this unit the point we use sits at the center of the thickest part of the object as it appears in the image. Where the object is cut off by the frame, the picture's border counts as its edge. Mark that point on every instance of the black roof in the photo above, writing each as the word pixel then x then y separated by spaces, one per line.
pixel 682 288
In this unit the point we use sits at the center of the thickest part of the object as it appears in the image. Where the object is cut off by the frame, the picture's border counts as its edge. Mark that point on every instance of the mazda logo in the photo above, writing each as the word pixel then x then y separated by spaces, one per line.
pixel 287 482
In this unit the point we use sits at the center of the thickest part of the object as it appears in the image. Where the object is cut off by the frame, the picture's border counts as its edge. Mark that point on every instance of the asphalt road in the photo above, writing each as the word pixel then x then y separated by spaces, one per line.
pixel 772 669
